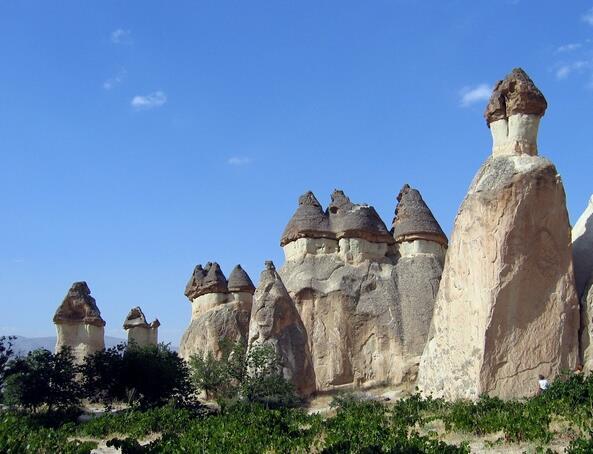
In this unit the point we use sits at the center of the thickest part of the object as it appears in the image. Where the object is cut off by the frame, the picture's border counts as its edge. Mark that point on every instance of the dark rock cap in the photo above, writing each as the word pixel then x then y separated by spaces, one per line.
pixel 135 318
pixel 239 281
pixel 79 307
pixel 308 221
pixel 214 282
pixel 413 219
pixel 515 94
pixel 349 220
pixel 195 282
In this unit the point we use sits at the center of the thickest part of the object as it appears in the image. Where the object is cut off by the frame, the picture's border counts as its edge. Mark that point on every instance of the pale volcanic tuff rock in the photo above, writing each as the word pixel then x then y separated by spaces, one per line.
pixel 513 115
pixel 220 310
pixel 140 332
pixel 366 324
pixel 582 248
pixel 582 254
pixel 507 308
pixel 275 321
pixel 78 322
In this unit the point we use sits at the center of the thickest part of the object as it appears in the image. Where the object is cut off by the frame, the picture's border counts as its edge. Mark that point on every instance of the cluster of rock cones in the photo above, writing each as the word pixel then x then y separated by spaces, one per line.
pixel 356 305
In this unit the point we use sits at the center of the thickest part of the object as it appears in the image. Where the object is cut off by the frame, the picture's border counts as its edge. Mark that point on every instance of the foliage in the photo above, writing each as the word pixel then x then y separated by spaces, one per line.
pixel 22 434
pixel 581 445
pixel 42 378
pixel 5 355
pixel 255 376
pixel 146 376
pixel 220 378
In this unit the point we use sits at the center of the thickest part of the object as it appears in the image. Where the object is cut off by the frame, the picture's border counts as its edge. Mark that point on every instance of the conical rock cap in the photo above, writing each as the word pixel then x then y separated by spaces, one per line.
pixel 413 219
pixel 79 307
pixel 239 281
pixel 308 221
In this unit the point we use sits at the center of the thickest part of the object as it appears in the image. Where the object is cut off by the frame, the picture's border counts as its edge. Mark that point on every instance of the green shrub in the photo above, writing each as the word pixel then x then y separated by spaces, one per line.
pixel 22 434
pixel 5 355
pixel 146 376
pixel 43 378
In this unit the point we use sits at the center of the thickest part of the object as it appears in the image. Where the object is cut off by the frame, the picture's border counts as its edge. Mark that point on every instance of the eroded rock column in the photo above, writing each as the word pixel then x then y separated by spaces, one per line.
pixel 140 332
pixel 78 323
pixel 507 308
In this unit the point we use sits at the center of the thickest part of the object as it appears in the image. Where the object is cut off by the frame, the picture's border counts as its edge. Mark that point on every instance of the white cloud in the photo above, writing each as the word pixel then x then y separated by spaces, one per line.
pixel 121 36
pixel 588 17
pixel 149 101
pixel 238 161
pixel 472 95
pixel 565 70
pixel 112 82
pixel 568 47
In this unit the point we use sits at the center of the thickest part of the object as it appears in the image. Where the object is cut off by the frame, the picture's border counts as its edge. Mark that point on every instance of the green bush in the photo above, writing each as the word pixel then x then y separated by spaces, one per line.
pixel 42 379
pixel 147 376
pixel 5 355
pixel 255 377
pixel 22 434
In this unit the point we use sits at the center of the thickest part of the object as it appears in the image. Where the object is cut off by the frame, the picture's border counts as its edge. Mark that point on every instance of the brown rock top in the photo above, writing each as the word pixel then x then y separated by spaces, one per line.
pixel 309 221
pixel 348 220
pixel 239 281
pixel 195 282
pixel 414 220
pixel 515 94
pixel 79 307
pixel 136 319
pixel 214 282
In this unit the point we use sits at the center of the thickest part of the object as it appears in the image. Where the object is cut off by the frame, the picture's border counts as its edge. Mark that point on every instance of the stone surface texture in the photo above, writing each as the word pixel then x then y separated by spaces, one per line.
pixel 586 334
pixel 78 322
pixel 582 248
pixel 366 310
pixel 507 308
pixel 220 310
pixel 140 332
pixel 275 321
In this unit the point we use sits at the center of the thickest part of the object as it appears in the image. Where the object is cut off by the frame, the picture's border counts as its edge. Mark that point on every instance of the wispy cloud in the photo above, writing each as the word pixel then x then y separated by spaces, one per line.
pixel 588 17
pixel 149 101
pixel 568 47
pixel 238 161
pixel 564 70
pixel 472 95
pixel 112 82
pixel 121 36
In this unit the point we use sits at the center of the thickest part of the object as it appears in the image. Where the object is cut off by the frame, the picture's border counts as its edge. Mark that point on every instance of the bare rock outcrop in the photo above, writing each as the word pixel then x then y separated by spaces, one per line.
pixel 275 321
pixel 78 322
pixel 582 254
pixel 507 308
pixel 582 248
pixel 220 310
pixel 140 332
pixel 365 320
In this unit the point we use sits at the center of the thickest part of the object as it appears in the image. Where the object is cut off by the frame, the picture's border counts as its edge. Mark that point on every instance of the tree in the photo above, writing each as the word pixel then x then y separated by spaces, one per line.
pixel 254 377
pixel 5 355
pixel 43 378
pixel 102 374
pixel 146 376
pixel 220 378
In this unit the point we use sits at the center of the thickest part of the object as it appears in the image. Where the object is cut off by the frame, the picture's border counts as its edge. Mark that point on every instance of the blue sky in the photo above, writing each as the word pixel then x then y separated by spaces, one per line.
pixel 138 138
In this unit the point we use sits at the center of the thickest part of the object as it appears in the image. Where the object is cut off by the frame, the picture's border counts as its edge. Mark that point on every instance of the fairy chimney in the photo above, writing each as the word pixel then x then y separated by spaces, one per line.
pixel 140 332
pixel 78 323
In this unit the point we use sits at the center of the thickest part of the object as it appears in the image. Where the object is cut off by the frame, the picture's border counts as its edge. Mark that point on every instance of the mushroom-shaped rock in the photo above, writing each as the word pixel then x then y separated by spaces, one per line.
pixel 214 281
pixel 78 323
pixel 239 281
pixel 515 94
pixel 79 307
pixel 413 219
pixel 140 332
pixel 349 220
pixel 308 221
pixel 513 114
pixel 195 282
pixel 506 308
pixel 275 321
